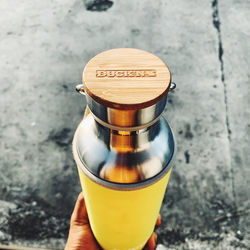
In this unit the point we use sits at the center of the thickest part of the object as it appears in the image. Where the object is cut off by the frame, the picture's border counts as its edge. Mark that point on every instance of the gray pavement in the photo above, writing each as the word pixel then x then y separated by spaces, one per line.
pixel 44 46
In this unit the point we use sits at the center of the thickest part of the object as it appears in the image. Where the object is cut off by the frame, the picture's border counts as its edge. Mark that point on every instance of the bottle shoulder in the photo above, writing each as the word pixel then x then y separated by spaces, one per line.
pixel 122 156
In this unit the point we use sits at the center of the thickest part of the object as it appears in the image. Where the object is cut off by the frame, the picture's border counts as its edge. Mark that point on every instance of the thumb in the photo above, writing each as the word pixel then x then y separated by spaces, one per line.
pixel 79 215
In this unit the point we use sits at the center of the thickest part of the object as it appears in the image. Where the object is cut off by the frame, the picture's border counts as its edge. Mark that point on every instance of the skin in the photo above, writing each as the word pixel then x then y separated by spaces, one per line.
pixel 80 234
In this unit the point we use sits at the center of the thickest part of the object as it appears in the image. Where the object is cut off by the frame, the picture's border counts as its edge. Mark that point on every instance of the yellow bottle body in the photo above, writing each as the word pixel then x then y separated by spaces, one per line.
pixel 123 219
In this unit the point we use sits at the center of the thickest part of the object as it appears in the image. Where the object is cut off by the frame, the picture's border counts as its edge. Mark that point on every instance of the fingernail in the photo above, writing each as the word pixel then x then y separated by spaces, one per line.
pixel 158 221
pixel 155 237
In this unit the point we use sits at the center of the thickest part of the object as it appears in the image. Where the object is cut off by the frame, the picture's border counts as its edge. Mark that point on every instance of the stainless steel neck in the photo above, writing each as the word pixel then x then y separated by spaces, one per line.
pixel 125 119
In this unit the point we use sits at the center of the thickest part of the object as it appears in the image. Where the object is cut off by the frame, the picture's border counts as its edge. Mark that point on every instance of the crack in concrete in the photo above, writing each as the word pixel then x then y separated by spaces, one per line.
pixel 216 23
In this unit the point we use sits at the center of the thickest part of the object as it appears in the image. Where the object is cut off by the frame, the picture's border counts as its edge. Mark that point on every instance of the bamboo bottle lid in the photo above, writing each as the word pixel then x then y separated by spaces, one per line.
pixel 126 78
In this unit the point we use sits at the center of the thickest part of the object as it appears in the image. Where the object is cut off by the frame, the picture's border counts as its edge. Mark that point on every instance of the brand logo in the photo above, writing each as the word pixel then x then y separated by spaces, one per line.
pixel 125 73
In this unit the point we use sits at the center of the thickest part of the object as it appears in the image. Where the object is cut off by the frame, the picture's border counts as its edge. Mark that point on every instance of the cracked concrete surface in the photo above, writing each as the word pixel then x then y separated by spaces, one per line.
pixel 44 46
pixel 217 25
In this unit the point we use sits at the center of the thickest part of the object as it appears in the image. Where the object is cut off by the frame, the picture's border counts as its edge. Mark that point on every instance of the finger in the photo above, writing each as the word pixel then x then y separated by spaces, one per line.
pixel 79 214
pixel 151 244
pixel 158 221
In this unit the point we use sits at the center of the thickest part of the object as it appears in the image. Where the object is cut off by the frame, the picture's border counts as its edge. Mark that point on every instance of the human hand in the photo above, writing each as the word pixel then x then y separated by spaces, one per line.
pixel 80 234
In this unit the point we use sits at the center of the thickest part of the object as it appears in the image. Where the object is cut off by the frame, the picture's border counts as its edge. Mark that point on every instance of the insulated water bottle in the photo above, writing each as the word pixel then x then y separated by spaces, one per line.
pixel 123 147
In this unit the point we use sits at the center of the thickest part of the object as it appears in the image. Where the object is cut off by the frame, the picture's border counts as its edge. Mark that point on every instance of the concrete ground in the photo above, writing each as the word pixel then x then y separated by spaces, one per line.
pixel 44 46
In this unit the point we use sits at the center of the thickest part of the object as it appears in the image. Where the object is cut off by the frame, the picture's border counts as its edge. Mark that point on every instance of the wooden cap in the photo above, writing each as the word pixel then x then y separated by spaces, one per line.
pixel 126 78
